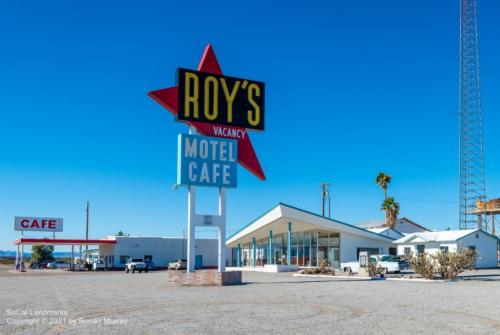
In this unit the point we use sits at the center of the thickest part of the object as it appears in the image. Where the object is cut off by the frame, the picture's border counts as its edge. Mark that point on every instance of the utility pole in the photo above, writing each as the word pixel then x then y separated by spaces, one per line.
pixel 87 232
pixel 325 194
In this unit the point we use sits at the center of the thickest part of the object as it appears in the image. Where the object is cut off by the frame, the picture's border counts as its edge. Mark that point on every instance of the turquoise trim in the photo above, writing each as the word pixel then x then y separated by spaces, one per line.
pixel 254 252
pixel 238 256
pixel 308 212
pixel 289 245
pixel 252 222
pixel 336 221
pixel 271 247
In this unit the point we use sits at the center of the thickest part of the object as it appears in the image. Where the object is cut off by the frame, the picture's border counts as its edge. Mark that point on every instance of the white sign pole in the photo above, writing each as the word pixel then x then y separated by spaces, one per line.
pixel 222 230
pixel 218 221
pixel 191 228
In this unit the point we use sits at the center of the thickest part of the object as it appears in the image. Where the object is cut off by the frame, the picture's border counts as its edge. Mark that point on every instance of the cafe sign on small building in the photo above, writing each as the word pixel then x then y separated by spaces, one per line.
pixel 22 223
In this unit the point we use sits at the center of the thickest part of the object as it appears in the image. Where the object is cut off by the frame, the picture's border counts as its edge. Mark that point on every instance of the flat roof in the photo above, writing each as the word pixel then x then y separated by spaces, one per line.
pixel 61 241
pixel 437 236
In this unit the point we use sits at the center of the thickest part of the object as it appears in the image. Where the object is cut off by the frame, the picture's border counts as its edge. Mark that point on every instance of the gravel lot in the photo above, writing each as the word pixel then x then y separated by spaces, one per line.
pixel 266 304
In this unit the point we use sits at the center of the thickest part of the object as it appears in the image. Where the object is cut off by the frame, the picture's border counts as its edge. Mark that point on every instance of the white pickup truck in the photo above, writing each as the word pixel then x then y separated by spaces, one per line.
pixel 383 266
pixel 98 264
pixel 135 264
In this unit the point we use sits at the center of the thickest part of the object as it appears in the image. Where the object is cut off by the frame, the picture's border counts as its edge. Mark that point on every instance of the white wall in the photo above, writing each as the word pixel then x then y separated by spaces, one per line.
pixel 350 243
pixel 486 248
pixel 163 250
pixel 430 247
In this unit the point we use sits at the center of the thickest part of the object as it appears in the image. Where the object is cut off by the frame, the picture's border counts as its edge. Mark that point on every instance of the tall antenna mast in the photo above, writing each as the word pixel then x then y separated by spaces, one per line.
pixel 472 183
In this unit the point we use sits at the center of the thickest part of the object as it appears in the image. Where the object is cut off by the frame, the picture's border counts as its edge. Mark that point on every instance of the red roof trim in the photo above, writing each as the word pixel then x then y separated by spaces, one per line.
pixel 59 241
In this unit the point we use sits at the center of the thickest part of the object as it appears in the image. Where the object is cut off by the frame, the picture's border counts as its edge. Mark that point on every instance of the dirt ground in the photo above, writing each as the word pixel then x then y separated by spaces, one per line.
pixel 57 301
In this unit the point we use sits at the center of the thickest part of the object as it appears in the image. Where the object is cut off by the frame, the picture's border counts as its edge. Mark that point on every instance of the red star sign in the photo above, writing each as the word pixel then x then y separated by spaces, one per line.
pixel 168 98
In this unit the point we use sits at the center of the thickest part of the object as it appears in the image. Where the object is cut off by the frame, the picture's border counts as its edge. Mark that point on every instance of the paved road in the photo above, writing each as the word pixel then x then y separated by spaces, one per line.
pixel 266 304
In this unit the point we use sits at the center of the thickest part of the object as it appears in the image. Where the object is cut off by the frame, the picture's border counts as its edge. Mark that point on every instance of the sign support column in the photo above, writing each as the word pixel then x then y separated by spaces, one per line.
pixel 222 230
pixel 191 228
pixel 17 258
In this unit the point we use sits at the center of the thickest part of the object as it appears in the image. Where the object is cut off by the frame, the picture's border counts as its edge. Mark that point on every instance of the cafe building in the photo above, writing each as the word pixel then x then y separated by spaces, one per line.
pixel 286 237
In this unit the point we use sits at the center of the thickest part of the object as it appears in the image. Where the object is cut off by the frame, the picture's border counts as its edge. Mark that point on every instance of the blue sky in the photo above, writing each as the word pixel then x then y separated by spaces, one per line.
pixel 352 88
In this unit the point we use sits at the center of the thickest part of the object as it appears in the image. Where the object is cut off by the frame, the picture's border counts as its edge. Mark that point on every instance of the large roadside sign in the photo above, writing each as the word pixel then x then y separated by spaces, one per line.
pixel 23 223
pixel 221 100
pixel 218 106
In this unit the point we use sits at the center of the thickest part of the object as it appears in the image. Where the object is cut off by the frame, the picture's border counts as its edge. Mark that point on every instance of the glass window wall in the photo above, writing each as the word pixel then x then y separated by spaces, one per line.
pixel 309 248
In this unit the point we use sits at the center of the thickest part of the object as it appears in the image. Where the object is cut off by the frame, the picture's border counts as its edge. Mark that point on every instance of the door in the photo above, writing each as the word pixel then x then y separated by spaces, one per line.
pixel 198 261
pixel 334 257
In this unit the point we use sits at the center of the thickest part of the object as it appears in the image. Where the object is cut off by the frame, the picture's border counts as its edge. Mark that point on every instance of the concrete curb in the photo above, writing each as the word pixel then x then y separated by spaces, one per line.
pixel 337 277
pixel 422 280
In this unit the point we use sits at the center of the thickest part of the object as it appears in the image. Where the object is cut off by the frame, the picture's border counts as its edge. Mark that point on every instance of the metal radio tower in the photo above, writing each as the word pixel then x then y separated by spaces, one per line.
pixel 472 184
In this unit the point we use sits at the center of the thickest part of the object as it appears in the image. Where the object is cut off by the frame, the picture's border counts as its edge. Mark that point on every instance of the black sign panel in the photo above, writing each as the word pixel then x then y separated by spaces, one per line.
pixel 222 100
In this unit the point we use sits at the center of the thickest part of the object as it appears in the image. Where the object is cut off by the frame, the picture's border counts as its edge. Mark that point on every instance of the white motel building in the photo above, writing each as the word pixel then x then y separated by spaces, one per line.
pixel 432 242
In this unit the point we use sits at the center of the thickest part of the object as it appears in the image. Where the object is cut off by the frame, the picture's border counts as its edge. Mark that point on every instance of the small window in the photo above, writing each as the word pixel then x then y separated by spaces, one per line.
pixel 420 249
pixel 444 248
pixel 123 259
pixel 477 235
pixel 148 257
pixel 407 251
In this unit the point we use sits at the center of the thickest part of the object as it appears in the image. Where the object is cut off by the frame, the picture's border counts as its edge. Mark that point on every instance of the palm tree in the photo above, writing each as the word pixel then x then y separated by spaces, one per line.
pixel 391 208
pixel 383 180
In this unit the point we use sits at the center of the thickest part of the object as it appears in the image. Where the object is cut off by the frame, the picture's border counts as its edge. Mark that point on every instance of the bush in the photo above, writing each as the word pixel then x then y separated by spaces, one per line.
pixel 451 264
pixel 447 264
pixel 41 253
pixel 423 265
pixel 324 268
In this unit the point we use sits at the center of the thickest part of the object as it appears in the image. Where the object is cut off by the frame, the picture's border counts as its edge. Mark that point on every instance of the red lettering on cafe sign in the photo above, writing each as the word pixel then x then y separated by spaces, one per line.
pixel 38 224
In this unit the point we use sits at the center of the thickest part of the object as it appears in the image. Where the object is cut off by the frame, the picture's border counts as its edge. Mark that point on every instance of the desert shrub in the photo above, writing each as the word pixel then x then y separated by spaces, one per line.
pixel 450 264
pixel 324 268
pixel 423 265
pixel 372 269
pixel 447 264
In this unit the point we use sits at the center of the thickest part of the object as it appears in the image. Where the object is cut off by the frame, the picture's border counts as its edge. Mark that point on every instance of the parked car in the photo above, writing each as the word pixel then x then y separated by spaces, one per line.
pixel 178 264
pixel 98 264
pixel 403 264
pixel 150 265
pixel 384 266
pixel 385 263
pixel 58 265
pixel 135 264
pixel 38 265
